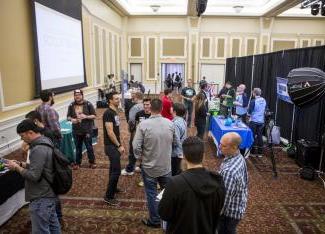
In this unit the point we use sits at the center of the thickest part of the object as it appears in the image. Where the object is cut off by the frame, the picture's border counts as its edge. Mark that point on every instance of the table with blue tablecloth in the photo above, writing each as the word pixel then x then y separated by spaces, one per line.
pixel 217 129
pixel 68 147
pixel 67 144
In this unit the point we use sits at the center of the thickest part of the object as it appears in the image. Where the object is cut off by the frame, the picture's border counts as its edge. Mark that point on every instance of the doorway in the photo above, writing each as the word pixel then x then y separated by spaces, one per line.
pixel 136 71
pixel 168 69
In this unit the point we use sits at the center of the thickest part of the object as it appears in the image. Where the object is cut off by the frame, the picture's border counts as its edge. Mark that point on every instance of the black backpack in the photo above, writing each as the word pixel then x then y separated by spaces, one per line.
pixel 62 180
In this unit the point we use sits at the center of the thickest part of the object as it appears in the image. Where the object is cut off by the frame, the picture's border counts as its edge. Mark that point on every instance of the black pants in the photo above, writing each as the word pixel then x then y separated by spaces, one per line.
pixel 227 225
pixel 243 118
pixel 189 109
pixel 200 127
pixel 132 160
pixel 114 157
pixel 176 166
pixel 257 129
pixel 78 140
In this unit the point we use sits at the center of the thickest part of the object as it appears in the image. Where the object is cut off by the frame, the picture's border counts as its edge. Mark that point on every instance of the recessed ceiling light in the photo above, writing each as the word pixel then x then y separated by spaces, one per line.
pixel 155 8
pixel 238 9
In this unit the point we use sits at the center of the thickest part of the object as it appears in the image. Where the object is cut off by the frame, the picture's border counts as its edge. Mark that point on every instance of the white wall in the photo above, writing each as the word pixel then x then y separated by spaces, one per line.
pixel 102 11
pixel 301 26
pixel 229 25
pixel 157 24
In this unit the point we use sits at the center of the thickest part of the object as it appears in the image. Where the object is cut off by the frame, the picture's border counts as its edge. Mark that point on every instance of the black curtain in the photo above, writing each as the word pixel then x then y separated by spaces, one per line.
pixel 230 70
pixel 310 121
pixel 244 72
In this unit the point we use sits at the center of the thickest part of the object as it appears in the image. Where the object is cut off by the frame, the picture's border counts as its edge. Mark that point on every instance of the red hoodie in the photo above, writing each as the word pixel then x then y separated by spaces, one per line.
pixel 167 105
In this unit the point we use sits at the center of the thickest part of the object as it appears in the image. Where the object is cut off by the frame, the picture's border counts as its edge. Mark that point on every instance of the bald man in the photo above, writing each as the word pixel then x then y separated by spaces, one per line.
pixel 241 103
pixel 234 172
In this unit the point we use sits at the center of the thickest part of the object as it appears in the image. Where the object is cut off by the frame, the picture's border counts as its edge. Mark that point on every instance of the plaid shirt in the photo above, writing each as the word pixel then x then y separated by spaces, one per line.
pixel 50 117
pixel 234 173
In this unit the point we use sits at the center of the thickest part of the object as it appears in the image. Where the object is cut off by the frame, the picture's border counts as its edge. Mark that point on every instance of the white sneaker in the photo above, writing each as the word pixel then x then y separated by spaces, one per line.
pixel 137 169
pixel 125 173
pixel 260 155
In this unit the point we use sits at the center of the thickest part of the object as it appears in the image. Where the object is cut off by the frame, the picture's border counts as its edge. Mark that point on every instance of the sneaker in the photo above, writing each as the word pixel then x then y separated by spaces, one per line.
pixel 137 169
pixel 149 224
pixel 252 155
pixel 125 173
pixel 260 155
pixel 92 165
pixel 112 202
pixel 141 184
pixel 120 191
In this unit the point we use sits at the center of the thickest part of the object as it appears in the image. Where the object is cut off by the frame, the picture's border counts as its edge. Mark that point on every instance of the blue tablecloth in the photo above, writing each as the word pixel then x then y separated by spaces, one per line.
pixel 218 129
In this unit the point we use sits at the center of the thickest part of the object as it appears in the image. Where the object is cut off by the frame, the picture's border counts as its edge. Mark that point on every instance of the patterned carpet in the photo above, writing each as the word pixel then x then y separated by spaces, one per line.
pixel 287 204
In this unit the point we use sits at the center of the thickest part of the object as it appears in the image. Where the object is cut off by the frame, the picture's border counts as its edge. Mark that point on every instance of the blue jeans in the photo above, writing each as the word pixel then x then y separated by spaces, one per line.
pixel 150 187
pixel 43 216
pixel 78 140
pixel 114 170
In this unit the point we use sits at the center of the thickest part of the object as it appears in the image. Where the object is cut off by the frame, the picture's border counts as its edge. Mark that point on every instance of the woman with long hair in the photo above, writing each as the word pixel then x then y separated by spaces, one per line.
pixel 200 114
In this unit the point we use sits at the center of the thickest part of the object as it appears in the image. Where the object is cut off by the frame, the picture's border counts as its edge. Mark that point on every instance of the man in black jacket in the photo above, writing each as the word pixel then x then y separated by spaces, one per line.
pixel 192 201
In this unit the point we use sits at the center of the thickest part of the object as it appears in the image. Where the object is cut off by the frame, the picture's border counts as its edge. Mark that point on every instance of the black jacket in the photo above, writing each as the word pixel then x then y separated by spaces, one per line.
pixel 192 202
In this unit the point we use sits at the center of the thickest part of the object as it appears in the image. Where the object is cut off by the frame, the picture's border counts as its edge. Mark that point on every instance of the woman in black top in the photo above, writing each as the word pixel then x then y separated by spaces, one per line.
pixel 200 114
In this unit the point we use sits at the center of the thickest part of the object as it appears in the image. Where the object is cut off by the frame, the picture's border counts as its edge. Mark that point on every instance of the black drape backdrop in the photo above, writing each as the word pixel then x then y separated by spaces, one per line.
pixel 230 70
pixel 309 122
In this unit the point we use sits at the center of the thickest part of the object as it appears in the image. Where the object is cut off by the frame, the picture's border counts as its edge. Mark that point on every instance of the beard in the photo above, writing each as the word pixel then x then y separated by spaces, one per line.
pixel 52 102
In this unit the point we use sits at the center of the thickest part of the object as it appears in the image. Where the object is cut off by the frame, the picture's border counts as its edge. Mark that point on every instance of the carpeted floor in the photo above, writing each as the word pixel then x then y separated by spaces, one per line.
pixel 287 204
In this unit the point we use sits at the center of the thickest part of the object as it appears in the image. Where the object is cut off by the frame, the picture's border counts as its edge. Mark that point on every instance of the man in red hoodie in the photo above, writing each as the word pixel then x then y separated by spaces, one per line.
pixel 167 104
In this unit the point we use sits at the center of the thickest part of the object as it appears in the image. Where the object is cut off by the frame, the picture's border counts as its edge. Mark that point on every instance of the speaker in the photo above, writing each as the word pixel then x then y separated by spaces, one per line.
pixel 308 153
pixel 201 5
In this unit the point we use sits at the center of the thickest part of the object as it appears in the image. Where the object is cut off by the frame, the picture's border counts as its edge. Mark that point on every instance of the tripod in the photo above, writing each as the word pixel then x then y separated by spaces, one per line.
pixel 270 125
pixel 320 172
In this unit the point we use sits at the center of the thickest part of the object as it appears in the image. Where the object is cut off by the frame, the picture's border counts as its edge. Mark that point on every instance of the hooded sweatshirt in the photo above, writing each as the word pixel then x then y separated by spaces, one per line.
pixel 40 157
pixel 192 201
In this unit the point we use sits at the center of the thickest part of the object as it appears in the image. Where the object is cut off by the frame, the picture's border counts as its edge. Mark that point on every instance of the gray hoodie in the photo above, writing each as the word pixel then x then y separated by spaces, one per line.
pixel 40 157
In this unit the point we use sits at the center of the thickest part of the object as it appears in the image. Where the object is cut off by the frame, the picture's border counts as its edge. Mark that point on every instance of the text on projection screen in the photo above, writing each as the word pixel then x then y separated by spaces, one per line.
pixel 60 48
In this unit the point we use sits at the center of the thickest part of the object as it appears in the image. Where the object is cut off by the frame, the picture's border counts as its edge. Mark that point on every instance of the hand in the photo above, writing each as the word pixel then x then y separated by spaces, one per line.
pixel 11 164
pixel 121 150
pixel 236 103
pixel 82 116
pixel 25 147
pixel 74 121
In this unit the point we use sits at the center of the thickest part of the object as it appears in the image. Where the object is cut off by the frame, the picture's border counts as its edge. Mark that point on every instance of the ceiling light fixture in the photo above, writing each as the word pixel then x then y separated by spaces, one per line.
pixel 155 8
pixel 238 9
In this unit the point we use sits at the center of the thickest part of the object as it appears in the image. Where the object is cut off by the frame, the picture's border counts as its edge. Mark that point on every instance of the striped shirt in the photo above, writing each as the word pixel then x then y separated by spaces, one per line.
pixel 234 173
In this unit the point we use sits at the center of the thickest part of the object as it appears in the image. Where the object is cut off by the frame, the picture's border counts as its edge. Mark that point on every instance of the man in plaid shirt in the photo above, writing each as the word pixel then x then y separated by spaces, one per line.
pixel 234 173
pixel 50 117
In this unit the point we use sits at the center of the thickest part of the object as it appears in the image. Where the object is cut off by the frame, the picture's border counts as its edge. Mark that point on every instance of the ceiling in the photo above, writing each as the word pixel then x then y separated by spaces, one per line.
pixel 267 8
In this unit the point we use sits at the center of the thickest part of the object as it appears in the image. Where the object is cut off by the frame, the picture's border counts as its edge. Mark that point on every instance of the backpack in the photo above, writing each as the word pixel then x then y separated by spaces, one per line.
pixel 62 180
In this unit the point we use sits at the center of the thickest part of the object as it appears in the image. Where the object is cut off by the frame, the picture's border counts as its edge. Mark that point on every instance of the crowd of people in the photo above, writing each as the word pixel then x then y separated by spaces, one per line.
pixel 193 199
pixel 174 81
